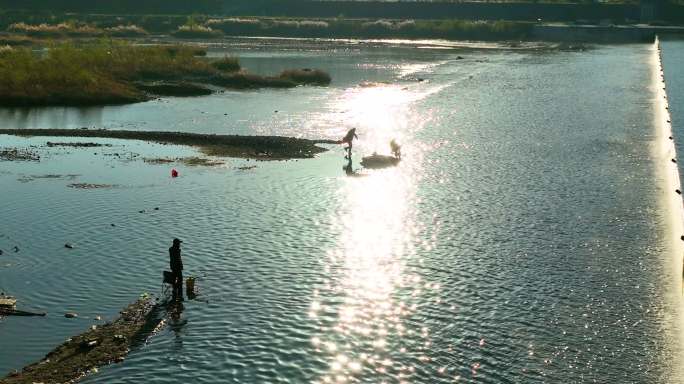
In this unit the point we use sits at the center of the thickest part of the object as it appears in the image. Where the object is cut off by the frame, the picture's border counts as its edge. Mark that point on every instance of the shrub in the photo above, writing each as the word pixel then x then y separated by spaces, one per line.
pixel 126 31
pixel 227 64
pixel 306 76
pixel 95 74
pixel 197 31
pixel 61 29
pixel 244 80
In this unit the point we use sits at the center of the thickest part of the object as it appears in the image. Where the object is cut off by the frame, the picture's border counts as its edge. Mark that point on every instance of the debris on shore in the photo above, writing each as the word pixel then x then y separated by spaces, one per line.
pixel 201 161
pixel 16 154
pixel 190 161
pixel 159 160
pixel 100 345
pixel 90 186
pixel 77 145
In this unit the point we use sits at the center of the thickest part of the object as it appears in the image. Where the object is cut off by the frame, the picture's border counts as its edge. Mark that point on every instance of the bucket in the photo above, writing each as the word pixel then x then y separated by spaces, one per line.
pixel 190 285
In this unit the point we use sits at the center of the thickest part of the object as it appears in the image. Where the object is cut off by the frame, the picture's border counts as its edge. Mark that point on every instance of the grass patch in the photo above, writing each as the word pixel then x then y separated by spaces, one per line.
pixel 11 40
pixel 16 154
pixel 126 31
pixel 90 186
pixel 355 28
pixel 180 89
pixel 76 145
pixel 110 72
pixel 227 64
pixel 159 160
pixel 196 32
pixel 245 80
pixel 200 161
pixel 93 75
pixel 189 161
pixel 306 76
pixel 287 79
pixel 75 29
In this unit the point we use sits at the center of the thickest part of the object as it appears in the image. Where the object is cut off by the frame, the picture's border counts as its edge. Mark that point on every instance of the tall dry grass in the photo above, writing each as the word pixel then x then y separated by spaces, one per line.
pixel 95 74
pixel 452 29
pixel 74 29
pixel 111 72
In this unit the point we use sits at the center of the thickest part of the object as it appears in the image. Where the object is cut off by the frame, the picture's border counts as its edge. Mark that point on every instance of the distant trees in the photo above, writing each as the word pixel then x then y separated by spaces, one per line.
pixel 118 6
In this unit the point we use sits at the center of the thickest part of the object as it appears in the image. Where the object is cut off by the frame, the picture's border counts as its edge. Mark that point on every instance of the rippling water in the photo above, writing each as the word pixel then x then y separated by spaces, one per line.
pixel 520 240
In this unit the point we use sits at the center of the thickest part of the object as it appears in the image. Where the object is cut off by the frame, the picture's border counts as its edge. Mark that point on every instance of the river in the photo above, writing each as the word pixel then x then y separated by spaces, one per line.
pixel 521 239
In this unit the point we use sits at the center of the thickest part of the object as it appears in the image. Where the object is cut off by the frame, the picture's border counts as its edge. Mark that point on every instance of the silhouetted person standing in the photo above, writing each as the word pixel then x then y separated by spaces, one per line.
pixel 176 269
pixel 348 138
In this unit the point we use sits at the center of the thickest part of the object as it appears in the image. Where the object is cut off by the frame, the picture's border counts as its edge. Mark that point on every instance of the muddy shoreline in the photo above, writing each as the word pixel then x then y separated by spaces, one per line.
pixel 99 346
pixel 246 147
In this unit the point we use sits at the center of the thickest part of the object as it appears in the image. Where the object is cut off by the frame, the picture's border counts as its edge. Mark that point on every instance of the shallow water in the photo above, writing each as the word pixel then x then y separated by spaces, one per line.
pixel 520 240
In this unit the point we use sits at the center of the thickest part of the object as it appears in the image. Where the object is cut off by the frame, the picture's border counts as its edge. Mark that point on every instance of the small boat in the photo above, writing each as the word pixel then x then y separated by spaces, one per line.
pixel 376 161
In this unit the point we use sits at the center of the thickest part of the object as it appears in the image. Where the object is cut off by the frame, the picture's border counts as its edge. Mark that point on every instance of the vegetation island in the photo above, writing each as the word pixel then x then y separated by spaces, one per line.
pixel 117 72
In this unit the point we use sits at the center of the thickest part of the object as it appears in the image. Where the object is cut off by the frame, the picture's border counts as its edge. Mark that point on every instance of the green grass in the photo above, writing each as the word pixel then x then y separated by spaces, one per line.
pixel 287 79
pixel 227 64
pixel 244 80
pixel 306 76
pixel 110 72
pixel 96 74
pixel 355 28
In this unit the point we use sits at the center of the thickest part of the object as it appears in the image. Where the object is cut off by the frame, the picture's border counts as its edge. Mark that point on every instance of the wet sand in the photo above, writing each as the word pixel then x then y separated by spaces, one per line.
pixel 247 147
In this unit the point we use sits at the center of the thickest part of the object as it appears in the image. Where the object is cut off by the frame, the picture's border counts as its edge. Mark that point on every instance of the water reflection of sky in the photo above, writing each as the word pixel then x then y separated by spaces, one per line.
pixel 53 117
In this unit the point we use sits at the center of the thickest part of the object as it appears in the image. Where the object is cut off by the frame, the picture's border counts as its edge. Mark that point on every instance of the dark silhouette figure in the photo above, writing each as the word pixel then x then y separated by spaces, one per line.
pixel 348 139
pixel 176 269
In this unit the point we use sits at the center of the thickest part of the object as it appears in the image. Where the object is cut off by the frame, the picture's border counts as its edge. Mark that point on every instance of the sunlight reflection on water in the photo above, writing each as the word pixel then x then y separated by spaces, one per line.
pixel 360 310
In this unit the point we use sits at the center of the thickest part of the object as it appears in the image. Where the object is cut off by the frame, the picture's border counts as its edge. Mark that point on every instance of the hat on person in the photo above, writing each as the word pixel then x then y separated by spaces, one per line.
pixel 176 241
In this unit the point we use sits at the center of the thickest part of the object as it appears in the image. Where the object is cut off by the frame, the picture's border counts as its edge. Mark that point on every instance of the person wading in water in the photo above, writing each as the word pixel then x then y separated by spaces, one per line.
pixel 177 269
pixel 348 138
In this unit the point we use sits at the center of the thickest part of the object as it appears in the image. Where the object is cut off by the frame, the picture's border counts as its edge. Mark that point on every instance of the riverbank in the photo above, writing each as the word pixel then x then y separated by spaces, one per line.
pixel 99 346
pixel 609 28
pixel 246 147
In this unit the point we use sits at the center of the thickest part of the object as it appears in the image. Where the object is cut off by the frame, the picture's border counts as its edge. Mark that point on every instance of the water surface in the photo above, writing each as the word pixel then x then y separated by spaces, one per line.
pixel 520 240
